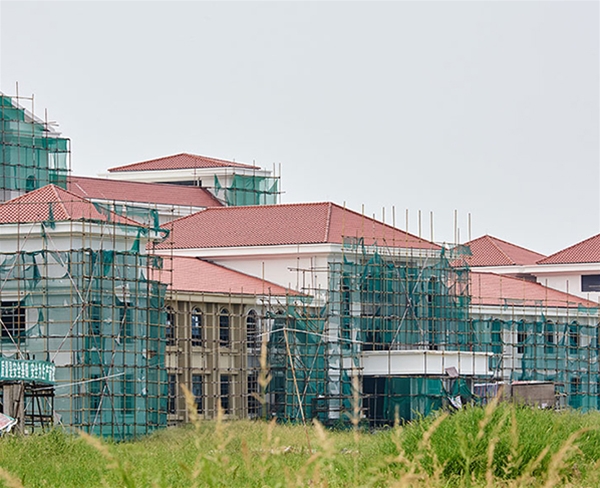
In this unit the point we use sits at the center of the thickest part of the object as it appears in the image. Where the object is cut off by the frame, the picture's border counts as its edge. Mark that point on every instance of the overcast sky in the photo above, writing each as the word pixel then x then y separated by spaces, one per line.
pixel 487 108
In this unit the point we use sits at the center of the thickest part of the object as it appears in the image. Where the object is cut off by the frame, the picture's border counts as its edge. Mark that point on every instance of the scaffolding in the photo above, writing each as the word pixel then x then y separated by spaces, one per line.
pixel 32 153
pixel 392 332
pixel 400 331
pixel 401 321
pixel 75 291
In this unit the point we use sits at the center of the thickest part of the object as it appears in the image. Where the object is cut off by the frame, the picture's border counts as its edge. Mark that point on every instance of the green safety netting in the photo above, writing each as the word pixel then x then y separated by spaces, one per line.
pixel 372 303
pixel 248 190
pixel 31 156
pixel 376 302
pixel 97 316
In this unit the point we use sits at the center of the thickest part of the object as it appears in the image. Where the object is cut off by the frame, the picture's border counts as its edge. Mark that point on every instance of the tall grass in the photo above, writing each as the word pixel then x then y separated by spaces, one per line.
pixel 500 445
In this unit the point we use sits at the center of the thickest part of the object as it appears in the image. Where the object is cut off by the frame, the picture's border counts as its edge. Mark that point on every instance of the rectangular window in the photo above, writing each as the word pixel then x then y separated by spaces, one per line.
pixel 13 318
pixel 170 332
pixel 590 283
pixel 253 401
pixel 95 314
pixel 172 398
pixel 94 390
pixel 197 391
pixel 550 338
pixel 573 339
pixel 129 394
pixel 125 320
pixel 496 337
pixel 521 338
pixel 574 385
pixel 225 393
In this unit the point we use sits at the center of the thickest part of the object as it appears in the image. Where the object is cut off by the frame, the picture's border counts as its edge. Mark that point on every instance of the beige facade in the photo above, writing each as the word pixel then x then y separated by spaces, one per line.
pixel 213 348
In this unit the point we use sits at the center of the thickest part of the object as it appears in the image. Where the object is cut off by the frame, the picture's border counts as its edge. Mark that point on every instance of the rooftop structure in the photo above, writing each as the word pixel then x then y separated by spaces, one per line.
pixel 77 292
pixel 162 202
pixel 181 161
pixel 285 224
pixel 233 184
pixel 32 153
pixel 587 251
pixel 491 251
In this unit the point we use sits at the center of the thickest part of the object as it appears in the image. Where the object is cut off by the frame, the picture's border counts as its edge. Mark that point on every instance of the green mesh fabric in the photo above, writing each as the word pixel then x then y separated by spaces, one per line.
pixel 101 321
pixel 30 155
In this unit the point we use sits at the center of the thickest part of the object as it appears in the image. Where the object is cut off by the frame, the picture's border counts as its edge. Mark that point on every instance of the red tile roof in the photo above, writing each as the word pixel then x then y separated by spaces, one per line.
pixel 491 251
pixel 587 251
pixel 192 274
pixel 303 223
pixel 494 289
pixel 180 161
pixel 53 203
pixel 131 191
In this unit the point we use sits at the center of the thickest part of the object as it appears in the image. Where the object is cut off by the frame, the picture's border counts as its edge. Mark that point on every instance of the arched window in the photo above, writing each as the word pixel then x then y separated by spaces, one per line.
pixel 170 334
pixel 252 330
pixel 224 333
pixel 196 325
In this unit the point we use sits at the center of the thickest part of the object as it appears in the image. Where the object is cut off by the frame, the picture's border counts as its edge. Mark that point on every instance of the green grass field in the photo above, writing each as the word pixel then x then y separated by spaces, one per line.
pixel 497 446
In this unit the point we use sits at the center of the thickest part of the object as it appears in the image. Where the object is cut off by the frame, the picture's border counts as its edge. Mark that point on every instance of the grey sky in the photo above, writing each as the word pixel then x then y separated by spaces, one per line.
pixel 490 108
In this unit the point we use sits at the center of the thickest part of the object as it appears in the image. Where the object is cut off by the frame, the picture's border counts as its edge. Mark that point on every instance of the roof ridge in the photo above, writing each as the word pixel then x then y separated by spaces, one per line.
pixel 510 260
pixel 595 236
pixel 57 190
pixel 386 225
pixel 328 222
pixel 190 155
pixel 53 188
pixel 505 242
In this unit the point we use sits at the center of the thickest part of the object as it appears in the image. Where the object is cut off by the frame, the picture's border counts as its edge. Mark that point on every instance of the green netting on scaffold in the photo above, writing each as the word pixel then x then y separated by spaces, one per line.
pixel 97 316
pixel 31 156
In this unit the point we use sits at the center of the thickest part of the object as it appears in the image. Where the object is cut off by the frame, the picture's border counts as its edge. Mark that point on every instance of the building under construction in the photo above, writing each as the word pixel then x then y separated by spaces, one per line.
pixel 130 287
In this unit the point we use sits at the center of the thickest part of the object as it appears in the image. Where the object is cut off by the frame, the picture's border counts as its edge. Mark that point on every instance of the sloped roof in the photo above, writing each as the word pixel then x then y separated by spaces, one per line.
pixel 264 225
pixel 587 251
pixel 491 251
pixel 192 274
pixel 53 203
pixel 133 191
pixel 180 161
pixel 495 289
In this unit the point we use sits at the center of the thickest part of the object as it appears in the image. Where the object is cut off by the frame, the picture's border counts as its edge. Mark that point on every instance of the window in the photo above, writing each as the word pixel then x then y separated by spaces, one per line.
pixel 196 324
pixel 252 330
pixel 550 338
pixel 574 386
pixel 197 391
pixel 13 318
pixel 496 336
pixel 254 405
pixel 95 314
pixel 225 393
pixel 224 339
pixel 573 339
pixel 128 394
pixel 345 312
pixel 95 392
pixel 125 322
pixel 521 338
pixel 590 283
pixel 170 333
pixel 172 394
